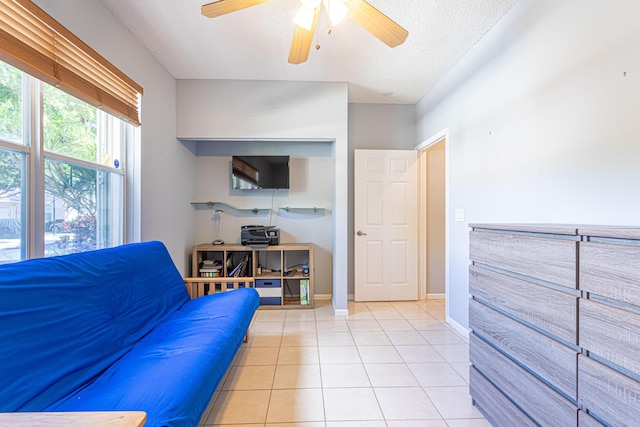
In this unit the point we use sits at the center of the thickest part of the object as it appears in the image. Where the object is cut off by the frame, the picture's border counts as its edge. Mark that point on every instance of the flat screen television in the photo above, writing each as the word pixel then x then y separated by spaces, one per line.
pixel 260 172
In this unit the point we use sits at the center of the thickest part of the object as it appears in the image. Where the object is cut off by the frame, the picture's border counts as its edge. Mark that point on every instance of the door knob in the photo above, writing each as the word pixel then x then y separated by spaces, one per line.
pixel 360 233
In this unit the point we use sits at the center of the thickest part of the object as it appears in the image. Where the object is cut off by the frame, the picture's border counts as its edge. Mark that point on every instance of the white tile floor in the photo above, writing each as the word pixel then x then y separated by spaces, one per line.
pixel 387 364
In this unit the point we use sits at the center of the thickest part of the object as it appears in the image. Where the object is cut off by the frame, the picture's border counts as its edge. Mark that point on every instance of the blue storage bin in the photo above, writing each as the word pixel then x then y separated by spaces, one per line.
pixel 270 291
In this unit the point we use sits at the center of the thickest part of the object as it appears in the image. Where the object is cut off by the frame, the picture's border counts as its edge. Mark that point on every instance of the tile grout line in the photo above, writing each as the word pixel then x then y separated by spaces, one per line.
pixel 352 330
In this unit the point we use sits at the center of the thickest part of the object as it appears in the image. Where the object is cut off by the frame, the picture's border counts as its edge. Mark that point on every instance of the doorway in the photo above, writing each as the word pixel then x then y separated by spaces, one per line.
pixel 433 233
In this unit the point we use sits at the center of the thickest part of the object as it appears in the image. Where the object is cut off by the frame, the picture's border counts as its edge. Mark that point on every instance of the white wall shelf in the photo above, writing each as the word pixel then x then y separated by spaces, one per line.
pixel 211 205
pixel 313 210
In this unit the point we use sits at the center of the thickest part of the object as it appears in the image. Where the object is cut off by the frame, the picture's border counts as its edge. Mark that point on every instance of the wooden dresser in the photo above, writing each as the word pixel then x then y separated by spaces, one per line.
pixel 555 315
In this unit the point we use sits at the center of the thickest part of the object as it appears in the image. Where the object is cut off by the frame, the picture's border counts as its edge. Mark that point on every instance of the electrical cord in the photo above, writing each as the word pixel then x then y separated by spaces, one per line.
pixel 273 196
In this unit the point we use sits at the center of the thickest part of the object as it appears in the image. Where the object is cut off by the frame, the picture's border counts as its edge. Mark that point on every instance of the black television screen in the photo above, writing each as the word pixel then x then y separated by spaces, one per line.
pixel 259 172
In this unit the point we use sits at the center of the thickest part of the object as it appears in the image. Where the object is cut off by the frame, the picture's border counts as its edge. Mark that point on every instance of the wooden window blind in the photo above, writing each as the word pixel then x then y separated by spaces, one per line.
pixel 34 42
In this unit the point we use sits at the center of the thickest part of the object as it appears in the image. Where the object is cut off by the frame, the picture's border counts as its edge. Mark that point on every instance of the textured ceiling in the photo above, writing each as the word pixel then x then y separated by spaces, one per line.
pixel 253 44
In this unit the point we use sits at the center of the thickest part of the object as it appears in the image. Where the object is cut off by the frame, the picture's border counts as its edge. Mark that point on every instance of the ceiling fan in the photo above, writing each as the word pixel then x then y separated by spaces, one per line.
pixel 359 11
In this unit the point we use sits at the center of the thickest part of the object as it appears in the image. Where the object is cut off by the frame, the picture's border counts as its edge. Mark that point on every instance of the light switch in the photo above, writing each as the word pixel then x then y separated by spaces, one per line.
pixel 459 215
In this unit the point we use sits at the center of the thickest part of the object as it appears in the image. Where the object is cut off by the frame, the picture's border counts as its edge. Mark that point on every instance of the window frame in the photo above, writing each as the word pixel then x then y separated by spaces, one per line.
pixel 32 147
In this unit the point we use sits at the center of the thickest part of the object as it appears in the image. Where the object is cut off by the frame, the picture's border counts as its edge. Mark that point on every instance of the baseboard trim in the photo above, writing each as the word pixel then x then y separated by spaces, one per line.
pixel 458 327
pixel 343 312
pixel 436 296
pixel 328 297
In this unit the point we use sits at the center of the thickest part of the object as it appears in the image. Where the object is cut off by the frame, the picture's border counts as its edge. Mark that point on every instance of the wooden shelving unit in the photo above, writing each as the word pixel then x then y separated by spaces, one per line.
pixel 282 274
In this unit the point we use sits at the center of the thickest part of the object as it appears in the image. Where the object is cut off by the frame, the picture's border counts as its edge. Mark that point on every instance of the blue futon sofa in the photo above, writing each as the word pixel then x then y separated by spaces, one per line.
pixel 114 329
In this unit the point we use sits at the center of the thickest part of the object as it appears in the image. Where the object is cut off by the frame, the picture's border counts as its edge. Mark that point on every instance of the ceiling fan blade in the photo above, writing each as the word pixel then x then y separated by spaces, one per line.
pixel 222 7
pixel 376 22
pixel 301 44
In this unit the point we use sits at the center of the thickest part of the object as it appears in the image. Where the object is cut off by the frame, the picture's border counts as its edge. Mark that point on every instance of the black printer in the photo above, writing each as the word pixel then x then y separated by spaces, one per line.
pixel 259 235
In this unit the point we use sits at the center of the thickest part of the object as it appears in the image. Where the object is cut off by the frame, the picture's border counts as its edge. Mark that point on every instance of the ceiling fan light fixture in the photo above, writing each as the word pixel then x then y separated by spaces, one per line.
pixel 359 11
pixel 306 14
pixel 336 10
pixel 311 4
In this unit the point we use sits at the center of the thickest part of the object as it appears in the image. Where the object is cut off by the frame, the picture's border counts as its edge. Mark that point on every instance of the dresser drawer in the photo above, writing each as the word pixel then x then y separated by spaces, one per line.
pixel 585 420
pixel 608 394
pixel 611 271
pixel 538 400
pixel 611 333
pixel 551 260
pixel 494 405
pixel 548 309
pixel 554 362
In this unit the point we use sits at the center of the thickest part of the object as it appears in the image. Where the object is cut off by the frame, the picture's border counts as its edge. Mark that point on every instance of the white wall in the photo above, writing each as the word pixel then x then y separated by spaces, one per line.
pixel 166 178
pixel 382 126
pixel 543 123
pixel 273 110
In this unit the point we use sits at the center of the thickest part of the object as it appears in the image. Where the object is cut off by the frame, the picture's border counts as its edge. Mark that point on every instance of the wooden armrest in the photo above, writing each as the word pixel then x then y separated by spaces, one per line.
pixel 75 419
pixel 196 285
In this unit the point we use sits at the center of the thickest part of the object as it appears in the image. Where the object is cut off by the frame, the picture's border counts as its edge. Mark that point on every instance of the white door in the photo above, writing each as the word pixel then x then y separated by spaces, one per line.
pixel 386 225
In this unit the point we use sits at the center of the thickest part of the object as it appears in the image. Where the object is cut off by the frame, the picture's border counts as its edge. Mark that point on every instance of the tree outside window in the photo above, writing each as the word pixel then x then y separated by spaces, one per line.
pixel 83 207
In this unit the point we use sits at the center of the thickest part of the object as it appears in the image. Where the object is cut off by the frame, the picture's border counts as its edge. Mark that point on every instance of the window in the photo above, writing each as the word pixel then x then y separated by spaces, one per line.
pixel 12 180
pixel 62 173
pixel 13 165
pixel 11 105
pixel 69 189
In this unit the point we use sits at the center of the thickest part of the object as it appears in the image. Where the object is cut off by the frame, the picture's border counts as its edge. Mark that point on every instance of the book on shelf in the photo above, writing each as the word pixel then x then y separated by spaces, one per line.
pixel 304 291
pixel 235 270
pixel 229 262
pixel 210 272
pixel 246 266
pixel 242 269
pixel 210 268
